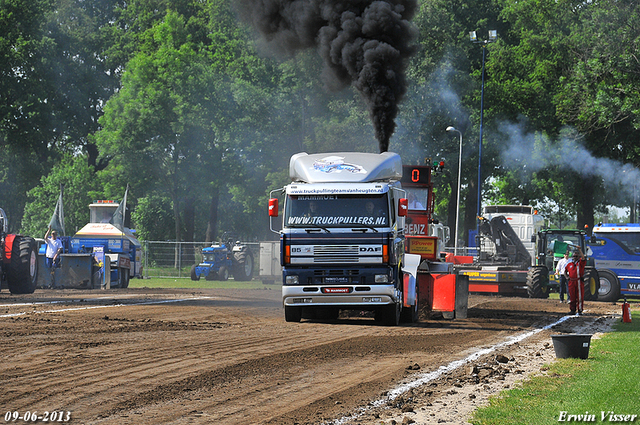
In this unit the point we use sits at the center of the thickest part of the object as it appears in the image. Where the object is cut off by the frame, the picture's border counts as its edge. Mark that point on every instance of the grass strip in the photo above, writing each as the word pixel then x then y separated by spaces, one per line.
pixel 199 284
pixel 606 383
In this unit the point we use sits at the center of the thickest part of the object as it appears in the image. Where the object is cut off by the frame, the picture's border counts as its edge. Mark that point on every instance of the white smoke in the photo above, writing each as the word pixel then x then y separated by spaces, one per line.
pixel 534 151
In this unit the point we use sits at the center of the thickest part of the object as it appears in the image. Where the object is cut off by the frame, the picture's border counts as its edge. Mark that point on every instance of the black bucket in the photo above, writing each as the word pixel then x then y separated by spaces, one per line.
pixel 571 346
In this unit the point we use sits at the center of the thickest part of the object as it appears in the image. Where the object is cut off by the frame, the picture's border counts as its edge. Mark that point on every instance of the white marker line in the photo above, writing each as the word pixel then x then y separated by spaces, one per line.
pixel 74 300
pixel 103 306
pixel 424 378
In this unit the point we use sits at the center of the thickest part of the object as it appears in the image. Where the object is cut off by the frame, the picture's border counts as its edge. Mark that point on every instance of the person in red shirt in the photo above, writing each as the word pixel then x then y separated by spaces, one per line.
pixel 574 272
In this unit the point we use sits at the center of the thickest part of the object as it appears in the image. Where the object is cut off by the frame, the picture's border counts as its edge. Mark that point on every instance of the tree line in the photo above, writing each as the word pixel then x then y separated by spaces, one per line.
pixel 191 107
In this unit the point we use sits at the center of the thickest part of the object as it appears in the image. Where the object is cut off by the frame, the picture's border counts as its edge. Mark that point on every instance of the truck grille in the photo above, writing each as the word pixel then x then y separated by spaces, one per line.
pixel 335 253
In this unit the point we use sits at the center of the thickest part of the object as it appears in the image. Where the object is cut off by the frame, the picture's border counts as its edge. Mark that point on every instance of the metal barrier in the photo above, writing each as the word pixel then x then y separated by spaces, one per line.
pixel 174 259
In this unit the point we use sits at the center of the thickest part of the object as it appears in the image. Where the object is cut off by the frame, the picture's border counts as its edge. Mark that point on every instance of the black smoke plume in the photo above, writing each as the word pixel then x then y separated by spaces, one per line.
pixel 362 42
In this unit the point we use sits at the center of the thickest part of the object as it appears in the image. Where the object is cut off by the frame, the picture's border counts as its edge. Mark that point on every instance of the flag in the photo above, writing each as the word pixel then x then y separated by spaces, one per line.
pixel 118 217
pixel 57 219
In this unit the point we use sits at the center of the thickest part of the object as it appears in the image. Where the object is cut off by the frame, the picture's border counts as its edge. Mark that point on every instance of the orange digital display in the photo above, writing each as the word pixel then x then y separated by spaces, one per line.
pixel 416 174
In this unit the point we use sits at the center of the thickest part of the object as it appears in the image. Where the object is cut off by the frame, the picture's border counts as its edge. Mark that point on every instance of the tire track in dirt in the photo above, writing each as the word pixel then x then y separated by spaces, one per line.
pixel 228 359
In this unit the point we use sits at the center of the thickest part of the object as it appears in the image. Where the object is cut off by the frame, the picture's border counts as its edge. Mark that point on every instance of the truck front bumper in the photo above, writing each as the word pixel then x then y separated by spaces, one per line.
pixel 345 296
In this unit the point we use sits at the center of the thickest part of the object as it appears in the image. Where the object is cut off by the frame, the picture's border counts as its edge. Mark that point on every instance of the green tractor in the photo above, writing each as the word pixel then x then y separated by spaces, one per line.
pixel 550 245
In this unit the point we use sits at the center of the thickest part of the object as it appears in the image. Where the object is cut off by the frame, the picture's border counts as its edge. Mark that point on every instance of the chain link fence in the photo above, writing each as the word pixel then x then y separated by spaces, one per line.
pixel 174 259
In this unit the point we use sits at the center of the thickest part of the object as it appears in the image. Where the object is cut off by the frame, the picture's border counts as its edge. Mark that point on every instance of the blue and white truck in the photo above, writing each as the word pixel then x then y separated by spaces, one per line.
pixel 616 251
pixel 342 238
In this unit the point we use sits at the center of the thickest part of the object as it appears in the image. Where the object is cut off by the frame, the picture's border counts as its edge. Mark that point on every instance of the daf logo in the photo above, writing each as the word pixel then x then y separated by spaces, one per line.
pixel 370 249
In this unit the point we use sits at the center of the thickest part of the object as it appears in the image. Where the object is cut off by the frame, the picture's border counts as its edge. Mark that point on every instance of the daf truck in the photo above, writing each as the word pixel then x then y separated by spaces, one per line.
pixel 342 238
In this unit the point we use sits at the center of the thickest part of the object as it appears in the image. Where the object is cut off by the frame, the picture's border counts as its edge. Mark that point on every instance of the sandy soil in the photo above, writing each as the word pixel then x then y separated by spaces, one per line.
pixel 148 356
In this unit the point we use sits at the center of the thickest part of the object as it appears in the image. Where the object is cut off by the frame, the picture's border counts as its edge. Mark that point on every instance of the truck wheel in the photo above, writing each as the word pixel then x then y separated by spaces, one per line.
pixel 591 284
pixel 194 275
pixel 243 265
pixel 609 286
pixel 292 314
pixel 22 275
pixel 388 315
pixel 538 282
pixel 223 273
pixel 410 314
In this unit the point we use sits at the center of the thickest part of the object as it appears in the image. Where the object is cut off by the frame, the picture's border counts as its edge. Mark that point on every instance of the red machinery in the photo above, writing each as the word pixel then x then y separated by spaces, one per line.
pixel 440 288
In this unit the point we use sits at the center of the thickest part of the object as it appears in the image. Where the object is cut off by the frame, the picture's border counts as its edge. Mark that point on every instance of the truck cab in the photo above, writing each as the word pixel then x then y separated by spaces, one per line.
pixel 342 237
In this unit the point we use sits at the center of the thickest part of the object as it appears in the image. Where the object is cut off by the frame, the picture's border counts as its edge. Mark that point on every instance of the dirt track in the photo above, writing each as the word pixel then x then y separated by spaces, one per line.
pixel 143 356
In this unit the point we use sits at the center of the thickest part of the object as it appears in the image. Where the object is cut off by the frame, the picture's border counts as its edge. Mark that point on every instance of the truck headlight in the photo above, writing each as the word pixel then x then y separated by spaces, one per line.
pixel 382 278
pixel 292 279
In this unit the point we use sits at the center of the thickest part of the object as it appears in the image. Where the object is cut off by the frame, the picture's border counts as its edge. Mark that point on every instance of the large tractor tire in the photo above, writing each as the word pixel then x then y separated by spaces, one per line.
pixel 609 286
pixel 243 265
pixel 538 282
pixel 591 284
pixel 22 274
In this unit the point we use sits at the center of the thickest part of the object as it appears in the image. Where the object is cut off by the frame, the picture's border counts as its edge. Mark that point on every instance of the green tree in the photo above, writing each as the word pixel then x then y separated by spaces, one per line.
pixel 80 187
pixel 153 218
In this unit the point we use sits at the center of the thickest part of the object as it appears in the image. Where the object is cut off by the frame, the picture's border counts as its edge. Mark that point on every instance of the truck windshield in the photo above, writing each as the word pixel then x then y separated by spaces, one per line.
pixel 417 198
pixel 629 239
pixel 337 210
pixel 557 245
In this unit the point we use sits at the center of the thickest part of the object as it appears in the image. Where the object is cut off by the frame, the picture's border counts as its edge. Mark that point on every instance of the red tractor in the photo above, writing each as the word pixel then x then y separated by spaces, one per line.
pixel 18 260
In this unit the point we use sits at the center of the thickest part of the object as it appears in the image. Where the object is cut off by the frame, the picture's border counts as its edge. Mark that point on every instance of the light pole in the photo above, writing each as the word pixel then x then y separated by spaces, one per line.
pixel 450 128
pixel 493 35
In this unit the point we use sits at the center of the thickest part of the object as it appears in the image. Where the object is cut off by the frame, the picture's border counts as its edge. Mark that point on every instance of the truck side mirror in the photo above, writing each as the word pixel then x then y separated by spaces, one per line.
pixel 533 238
pixel 273 207
pixel 403 207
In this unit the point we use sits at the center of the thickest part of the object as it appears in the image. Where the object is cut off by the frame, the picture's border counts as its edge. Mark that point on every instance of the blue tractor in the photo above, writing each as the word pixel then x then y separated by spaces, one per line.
pixel 221 260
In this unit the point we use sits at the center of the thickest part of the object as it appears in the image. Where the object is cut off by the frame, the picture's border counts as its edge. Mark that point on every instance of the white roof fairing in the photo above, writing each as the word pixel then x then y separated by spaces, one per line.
pixel 345 167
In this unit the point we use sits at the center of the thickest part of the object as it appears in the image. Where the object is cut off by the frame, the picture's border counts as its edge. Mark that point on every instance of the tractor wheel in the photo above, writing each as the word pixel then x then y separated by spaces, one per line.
pixel 211 275
pixel 243 265
pixel 591 284
pixel 194 275
pixel 223 273
pixel 22 275
pixel 124 281
pixel 609 286
pixel 538 282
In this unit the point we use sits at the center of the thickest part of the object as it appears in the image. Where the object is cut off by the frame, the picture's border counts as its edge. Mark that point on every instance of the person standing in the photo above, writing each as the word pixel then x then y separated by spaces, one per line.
pixel 574 271
pixel 52 253
pixel 560 267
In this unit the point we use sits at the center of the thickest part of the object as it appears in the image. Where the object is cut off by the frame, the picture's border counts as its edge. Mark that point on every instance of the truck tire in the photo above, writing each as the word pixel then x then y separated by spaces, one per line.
pixel 194 275
pixel 538 282
pixel 22 274
pixel 388 315
pixel 223 273
pixel 591 284
pixel 410 314
pixel 243 265
pixel 609 286
pixel 292 314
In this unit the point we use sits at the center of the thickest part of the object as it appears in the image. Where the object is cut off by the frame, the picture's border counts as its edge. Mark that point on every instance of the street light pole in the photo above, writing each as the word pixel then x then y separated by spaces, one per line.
pixel 493 35
pixel 450 128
